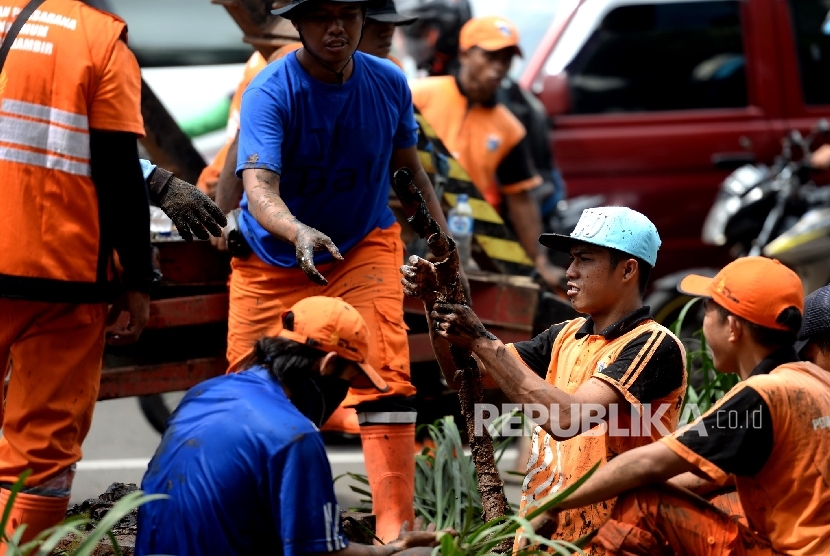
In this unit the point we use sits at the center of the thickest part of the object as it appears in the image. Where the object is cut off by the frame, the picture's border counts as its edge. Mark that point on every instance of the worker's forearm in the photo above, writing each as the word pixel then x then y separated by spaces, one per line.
pixel 229 188
pixel 521 385
pixel 266 205
pixel 699 485
pixel 356 549
pixel 123 203
pixel 650 465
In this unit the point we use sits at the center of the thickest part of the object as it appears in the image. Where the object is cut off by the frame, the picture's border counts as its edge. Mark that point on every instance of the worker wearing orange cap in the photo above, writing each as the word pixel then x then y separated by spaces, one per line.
pixel 771 434
pixel 242 463
pixel 482 134
pixel 321 132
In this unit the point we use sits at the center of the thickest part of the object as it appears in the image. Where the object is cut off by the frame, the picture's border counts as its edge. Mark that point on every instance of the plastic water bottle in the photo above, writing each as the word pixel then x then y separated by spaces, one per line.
pixel 460 222
pixel 160 223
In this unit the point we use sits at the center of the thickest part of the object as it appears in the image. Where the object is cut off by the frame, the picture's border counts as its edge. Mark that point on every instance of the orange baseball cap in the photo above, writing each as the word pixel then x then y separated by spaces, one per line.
pixel 332 325
pixel 757 289
pixel 489 33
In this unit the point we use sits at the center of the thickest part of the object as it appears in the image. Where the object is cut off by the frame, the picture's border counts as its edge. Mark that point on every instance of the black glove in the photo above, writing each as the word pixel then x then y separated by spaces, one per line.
pixel 192 212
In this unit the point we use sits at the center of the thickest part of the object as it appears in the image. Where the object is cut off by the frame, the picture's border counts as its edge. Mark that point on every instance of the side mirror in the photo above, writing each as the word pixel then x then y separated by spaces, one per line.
pixel 555 94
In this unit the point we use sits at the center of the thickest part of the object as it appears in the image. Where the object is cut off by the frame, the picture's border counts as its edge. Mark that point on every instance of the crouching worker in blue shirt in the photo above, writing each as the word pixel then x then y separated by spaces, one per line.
pixel 242 460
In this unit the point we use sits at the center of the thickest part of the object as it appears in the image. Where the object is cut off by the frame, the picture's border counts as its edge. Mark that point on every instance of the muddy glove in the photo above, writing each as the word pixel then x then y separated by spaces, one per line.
pixel 192 212
pixel 309 241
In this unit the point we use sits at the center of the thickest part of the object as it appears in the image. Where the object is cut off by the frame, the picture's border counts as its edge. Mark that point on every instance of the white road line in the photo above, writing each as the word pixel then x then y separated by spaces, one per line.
pixel 343 458
pixel 113 464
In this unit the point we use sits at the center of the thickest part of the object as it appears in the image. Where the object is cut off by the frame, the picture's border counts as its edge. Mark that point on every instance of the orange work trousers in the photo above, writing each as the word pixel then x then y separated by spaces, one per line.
pixel 54 351
pixel 368 279
pixel 665 521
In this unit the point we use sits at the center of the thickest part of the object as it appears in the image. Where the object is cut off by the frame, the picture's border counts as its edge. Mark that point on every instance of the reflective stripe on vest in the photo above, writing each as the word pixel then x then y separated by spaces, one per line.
pixel 64 136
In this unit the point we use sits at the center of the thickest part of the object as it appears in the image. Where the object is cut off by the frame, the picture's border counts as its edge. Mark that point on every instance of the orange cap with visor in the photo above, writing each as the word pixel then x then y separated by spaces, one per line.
pixel 757 289
pixel 489 33
pixel 332 325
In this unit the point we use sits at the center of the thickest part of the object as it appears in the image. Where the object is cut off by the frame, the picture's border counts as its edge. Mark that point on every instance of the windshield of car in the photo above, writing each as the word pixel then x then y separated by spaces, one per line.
pixel 531 17
pixel 179 32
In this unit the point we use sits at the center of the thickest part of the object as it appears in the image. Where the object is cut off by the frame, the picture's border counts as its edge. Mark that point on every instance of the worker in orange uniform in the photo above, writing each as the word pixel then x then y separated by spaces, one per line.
pixel 73 191
pixel 770 435
pixel 608 382
pixel 378 31
pixel 321 130
pixel 483 135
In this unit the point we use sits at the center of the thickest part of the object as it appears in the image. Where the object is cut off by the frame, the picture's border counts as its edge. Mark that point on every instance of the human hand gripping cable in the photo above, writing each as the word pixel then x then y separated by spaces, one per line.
pixel 459 325
pixel 420 280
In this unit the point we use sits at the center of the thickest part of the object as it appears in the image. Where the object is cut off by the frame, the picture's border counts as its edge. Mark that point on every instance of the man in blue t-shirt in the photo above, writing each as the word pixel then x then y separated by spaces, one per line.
pixel 321 130
pixel 242 460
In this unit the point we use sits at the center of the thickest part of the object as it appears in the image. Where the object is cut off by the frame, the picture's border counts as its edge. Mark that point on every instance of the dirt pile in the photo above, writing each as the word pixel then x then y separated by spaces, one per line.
pixel 356 526
pixel 95 509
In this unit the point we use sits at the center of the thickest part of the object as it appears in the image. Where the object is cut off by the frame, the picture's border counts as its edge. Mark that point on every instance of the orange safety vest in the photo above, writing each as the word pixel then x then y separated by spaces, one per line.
pixel 69 71
pixel 555 465
pixel 479 137
pixel 789 499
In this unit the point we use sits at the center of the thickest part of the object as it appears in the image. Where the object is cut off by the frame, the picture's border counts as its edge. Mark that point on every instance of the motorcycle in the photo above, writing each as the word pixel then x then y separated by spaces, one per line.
pixel 777 211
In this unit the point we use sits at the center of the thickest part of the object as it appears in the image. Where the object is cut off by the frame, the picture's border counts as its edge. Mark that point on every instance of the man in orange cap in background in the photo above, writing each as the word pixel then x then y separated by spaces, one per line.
pixel 483 135
pixel 771 433
pixel 242 461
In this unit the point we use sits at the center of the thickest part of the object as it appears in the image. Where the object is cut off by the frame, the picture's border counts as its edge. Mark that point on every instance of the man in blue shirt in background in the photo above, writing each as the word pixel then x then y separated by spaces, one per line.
pixel 321 131
pixel 242 459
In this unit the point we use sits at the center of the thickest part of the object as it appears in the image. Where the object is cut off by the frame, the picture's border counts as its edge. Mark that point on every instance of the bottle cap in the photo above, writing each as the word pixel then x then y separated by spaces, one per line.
pixel 462 198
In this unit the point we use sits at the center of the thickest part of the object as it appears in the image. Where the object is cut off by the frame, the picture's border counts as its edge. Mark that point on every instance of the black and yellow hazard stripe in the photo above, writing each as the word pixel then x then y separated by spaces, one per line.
pixel 498 250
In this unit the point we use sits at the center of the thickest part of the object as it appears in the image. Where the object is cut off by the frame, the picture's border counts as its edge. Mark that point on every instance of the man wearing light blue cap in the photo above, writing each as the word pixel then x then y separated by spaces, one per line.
pixel 611 381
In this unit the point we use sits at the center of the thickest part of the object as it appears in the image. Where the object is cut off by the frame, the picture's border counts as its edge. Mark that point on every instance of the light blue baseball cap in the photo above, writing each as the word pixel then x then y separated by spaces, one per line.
pixel 614 227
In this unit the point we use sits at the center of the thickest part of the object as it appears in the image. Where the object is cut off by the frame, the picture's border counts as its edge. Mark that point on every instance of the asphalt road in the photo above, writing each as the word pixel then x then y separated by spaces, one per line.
pixel 120 444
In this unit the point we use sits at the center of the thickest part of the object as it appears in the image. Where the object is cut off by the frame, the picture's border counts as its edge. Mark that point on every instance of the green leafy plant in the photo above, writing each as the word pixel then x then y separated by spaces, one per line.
pixel 446 494
pixel 446 491
pixel 47 541
pixel 706 385
pixel 482 540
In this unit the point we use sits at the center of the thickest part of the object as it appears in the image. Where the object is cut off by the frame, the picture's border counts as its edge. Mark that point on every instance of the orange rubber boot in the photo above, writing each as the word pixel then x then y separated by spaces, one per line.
pixel 389 453
pixel 38 513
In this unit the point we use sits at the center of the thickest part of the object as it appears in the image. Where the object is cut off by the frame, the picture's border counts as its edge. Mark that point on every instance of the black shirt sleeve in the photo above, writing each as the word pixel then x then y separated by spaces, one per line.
pixel 516 166
pixel 650 367
pixel 536 353
pixel 739 435
pixel 123 204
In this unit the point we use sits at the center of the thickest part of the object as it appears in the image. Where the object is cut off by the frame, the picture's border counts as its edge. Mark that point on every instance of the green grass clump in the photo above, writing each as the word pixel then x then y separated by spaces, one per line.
pixel 47 541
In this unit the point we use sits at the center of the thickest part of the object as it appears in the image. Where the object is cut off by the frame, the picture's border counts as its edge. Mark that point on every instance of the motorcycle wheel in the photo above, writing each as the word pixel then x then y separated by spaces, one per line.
pixel 156 411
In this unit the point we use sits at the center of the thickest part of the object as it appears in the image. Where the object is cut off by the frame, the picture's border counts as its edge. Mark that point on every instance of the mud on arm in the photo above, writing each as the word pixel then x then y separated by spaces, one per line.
pixel 268 208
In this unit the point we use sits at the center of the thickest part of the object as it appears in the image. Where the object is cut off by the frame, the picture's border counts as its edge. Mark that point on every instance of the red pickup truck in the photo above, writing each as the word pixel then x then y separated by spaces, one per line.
pixel 653 102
